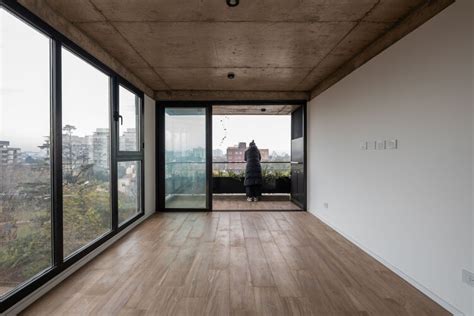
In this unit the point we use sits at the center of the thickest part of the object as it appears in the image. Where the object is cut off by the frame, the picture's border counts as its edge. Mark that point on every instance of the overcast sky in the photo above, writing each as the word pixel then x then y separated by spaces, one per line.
pixel 269 131
pixel 25 89
pixel 24 84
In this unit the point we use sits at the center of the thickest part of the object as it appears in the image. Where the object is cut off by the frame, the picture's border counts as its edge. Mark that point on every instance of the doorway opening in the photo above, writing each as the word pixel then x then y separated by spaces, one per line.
pixel 233 128
pixel 201 155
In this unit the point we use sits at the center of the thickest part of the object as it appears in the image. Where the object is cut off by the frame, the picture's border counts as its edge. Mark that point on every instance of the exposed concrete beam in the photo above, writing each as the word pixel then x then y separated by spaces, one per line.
pixel 48 15
pixel 401 29
pixel 203 95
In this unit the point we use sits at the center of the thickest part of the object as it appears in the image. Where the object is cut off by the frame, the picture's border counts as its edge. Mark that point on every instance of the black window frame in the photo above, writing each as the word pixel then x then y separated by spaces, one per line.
pixel 129 156
pixel 60 264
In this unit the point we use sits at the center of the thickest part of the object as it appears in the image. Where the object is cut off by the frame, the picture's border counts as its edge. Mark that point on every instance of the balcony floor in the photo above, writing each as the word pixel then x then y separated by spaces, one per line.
pixel 222 263
pixel 238 202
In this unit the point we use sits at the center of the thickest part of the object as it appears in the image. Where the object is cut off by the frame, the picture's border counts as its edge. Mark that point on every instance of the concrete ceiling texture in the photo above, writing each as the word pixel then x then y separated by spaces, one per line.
pixel 270 45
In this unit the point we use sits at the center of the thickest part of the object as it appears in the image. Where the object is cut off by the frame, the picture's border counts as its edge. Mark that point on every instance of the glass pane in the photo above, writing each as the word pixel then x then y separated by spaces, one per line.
pixel 86 153
pixel 185 158
pixel 128 126
pixel 128 189
pixel 25 168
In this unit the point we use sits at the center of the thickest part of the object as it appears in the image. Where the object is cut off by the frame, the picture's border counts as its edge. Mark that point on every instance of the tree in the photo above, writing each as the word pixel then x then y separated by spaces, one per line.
pixel 68 150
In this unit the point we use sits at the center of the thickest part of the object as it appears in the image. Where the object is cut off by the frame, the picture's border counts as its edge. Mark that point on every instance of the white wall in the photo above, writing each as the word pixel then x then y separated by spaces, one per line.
pixel 150 158
pixel 411 207
pixel 472 159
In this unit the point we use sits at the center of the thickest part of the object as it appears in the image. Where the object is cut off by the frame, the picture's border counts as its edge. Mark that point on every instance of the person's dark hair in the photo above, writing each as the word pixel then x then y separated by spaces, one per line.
pixel 252 143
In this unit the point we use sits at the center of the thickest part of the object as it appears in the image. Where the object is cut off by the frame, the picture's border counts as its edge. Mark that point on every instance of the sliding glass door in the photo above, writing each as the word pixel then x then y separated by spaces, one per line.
pixel 185 158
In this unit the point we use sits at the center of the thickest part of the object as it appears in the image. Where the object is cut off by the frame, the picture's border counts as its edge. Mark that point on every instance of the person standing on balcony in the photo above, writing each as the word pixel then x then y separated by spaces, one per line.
pixel 253 173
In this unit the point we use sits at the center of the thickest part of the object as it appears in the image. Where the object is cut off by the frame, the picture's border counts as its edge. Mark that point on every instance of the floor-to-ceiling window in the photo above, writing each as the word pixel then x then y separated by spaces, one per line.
pixel 185 157
pixel 87 212
pixel 71 153
pixel 25 165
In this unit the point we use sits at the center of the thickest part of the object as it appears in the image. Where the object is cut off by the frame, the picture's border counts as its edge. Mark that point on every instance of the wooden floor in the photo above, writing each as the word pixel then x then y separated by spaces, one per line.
pixel 275 202
pixel 249 263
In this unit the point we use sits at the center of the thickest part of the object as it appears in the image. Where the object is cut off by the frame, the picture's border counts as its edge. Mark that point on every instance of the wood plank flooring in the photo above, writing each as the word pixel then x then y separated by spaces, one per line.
pixel 267 202
pixel 234 263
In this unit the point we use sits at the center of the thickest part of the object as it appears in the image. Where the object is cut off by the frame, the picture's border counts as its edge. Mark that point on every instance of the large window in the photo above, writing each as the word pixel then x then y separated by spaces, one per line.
pixel 87 212
pixel 71 153
pixel 25 164
pixel 185 158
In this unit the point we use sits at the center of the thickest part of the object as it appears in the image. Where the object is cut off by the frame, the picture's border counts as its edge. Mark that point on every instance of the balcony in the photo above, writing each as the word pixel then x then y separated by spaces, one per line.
pixel 185 185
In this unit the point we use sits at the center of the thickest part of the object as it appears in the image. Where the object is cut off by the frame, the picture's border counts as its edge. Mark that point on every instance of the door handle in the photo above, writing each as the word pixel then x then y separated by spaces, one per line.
pixel 117 117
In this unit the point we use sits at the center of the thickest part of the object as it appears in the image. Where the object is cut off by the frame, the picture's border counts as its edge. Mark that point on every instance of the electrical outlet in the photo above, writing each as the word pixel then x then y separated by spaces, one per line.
pixel 468 277
pixel 326 205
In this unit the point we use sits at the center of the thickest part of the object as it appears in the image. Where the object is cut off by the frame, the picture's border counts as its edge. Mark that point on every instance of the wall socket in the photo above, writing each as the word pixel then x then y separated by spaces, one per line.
pixel 326 205
pixel 468 277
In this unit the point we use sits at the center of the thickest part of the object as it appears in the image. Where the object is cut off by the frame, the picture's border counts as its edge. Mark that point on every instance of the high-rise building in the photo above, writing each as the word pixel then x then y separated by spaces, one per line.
pixel 100 148
pixel 128 140
pixel 237 153
pixel 8 155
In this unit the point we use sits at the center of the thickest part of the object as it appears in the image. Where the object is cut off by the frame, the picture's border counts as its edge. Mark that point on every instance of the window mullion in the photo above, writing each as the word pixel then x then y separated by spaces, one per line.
pixel 56 157
pixel 114 142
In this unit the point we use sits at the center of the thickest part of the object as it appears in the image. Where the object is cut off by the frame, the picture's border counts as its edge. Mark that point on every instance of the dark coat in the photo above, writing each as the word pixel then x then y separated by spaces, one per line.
pixel 253 170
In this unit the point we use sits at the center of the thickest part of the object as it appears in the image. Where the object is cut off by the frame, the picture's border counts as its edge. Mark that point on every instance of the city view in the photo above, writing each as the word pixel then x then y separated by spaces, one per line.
pixel 185 152
pixel 25 199
pixel 25 154
pixel 233 133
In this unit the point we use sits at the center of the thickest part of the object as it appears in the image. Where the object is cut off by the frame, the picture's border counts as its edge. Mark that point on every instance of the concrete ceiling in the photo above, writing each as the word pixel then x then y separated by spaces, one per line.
pixel 270 45
pixel 254 109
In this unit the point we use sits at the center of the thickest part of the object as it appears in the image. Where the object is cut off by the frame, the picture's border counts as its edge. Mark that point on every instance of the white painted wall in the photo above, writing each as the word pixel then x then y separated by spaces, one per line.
pixel 412 207
pixel 472 159
pixel 150 158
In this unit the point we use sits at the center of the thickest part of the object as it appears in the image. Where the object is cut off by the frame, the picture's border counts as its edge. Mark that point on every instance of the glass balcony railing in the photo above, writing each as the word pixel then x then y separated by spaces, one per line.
pixel 189 178
pixel 228 177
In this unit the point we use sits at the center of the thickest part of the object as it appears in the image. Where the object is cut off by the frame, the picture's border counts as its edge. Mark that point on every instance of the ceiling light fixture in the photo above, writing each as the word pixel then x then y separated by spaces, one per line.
pixel 232 3
pixel 231 75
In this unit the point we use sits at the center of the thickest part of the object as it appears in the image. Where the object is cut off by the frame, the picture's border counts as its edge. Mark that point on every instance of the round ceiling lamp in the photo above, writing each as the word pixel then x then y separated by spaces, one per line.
pixel 232 3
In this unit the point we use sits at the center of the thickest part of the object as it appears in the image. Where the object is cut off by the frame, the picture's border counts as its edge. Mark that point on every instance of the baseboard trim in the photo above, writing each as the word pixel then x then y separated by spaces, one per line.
pixel 450 308
pixel 30 299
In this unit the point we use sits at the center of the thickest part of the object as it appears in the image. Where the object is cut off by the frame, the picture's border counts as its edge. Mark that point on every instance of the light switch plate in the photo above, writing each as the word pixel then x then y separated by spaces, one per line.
pixel 380 145
pixel 468 277
pixel 371 145
pixel 391 144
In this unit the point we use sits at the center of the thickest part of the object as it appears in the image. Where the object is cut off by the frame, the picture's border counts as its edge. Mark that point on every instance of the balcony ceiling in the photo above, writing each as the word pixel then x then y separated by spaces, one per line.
pixel 270 45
